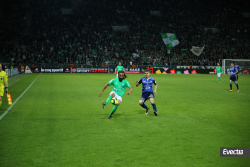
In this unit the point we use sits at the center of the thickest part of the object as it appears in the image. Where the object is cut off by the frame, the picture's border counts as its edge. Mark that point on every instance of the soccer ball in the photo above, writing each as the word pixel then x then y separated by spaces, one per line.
pixel 114 100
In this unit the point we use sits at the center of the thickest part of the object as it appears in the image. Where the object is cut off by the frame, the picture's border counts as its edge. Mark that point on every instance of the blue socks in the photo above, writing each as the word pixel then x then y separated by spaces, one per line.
pixel 144 106
pixel 154 107
pixel 236 86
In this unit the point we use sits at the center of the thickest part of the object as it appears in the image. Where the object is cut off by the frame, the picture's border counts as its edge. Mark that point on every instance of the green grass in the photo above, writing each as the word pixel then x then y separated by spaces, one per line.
pixel 60 122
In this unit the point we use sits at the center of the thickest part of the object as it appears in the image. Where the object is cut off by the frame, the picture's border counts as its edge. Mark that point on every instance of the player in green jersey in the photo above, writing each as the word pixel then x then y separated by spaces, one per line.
pixel 218 71
pixel 119 86
pixel 118 68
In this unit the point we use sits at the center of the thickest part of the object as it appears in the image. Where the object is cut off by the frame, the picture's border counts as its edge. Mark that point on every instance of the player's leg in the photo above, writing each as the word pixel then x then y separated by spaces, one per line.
pixel 116 106
pixel 237 86
pixel 1 95
pixel 151 99
pixel 142 104
pixel 218 74
pixel 1 100
pixel 230 82
pixel 237 77
pixel 142 101
pixel 111 95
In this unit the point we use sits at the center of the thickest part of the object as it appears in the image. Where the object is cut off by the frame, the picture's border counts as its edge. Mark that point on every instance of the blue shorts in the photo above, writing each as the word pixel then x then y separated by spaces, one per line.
pixel 146 96
pixel 233 79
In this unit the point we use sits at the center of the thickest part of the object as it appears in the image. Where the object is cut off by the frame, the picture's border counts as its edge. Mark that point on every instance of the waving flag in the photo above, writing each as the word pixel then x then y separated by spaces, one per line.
pixel 197 50
pixel 169 40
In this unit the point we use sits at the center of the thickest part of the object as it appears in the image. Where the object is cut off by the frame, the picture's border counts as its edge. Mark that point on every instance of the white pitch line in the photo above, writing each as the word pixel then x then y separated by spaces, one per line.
pixel 8 109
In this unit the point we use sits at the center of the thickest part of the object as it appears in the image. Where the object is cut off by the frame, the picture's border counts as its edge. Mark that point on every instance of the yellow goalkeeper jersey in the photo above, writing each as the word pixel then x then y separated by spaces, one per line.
pixel 3 78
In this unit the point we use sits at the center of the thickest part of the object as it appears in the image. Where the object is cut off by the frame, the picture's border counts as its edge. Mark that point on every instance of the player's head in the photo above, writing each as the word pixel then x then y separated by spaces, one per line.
pixel 120 63
pixel 0 67
pixel 121 75
pixel 236 63
pixel 147 73
pixel 232 64
pixel 218 64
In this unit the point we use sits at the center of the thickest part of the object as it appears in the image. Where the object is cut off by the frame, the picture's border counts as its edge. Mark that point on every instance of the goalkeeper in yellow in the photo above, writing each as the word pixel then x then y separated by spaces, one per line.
pixel 3 80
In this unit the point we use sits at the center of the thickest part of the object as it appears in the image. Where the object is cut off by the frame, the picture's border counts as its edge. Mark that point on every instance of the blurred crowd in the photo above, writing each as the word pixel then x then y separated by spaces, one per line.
pixel 42 34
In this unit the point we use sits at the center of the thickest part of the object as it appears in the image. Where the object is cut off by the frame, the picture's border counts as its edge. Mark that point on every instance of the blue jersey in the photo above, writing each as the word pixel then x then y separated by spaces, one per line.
pixel 237 67
pixel 233 70
pixel 147 84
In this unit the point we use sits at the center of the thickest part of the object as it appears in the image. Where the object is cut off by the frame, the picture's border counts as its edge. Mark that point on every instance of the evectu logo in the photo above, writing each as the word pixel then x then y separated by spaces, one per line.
pixel 235 151
pixel 232 152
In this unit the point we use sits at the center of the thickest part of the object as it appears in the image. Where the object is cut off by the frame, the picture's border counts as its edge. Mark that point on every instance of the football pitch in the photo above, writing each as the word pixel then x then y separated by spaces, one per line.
pixel 59 121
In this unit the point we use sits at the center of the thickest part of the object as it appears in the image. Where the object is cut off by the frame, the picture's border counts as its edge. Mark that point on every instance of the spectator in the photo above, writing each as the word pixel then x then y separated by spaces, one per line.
pixel 87 37
pixel 134 66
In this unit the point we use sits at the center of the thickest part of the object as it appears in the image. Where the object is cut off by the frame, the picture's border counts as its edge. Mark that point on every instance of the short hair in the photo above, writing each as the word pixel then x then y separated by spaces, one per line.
pixel 147 70
pixel 232 62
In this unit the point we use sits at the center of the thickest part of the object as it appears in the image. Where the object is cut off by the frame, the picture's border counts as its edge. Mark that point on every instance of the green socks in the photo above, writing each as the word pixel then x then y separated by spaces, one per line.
pixel 218 79
pixel 113 110
pixel 108 99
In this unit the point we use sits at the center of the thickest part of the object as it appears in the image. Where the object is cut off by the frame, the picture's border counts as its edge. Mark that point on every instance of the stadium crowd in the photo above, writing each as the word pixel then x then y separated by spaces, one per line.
pixel 42 34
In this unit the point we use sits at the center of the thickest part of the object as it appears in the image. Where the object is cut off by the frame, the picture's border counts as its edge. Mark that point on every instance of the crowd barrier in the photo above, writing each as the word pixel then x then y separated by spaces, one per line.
pixel 163 70
pixel 127 70
pixel 11 72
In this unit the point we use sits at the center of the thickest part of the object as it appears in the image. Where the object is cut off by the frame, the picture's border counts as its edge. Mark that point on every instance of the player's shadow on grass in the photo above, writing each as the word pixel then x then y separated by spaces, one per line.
pixel 140 111
pixel 105 116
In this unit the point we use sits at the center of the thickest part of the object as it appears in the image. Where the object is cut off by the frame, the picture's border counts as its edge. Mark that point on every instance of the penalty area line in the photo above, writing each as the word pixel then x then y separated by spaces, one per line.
pixel 8 109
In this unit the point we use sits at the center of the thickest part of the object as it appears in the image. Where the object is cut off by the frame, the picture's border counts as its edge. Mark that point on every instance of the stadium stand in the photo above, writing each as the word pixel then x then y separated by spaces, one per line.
pixel 43 32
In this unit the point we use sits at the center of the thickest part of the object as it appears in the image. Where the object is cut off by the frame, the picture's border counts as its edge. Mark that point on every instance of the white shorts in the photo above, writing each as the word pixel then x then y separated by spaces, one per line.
pixel 117 96
pixel 218 74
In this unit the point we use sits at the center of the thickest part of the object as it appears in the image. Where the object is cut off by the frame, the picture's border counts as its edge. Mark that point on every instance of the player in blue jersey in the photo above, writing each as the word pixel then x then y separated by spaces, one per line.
pixel 147 91
pixel 232 75
pixel 238 69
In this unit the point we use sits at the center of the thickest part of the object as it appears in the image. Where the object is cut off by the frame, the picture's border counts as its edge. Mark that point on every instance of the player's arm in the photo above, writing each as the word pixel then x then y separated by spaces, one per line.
pixel 115 71
pixel 104 89
pixel 235 69
pixel 6 83
pixel 130 90
pixel 6 87
pixel 229 73
pixel 155 87
pixel 138 83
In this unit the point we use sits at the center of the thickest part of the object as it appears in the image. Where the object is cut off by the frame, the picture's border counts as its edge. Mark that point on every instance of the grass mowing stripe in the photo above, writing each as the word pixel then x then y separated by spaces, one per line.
pixel 15 78
pixel 6 112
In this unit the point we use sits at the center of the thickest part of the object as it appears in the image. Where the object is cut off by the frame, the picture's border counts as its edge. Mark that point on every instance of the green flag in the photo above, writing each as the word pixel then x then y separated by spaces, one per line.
pixel 170 40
